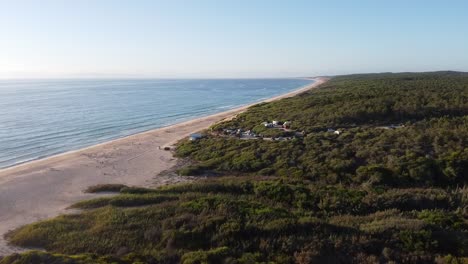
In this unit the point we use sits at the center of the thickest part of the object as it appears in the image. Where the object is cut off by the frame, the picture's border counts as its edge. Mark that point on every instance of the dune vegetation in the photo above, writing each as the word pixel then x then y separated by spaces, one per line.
pixel 389 188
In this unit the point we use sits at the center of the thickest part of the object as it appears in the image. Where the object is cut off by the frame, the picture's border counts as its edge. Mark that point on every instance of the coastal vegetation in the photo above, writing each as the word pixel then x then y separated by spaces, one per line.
pixel 389 188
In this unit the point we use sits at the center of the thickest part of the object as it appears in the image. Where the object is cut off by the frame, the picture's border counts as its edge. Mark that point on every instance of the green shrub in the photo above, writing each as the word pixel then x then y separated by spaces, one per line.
pixel 105 188
pixel 211 256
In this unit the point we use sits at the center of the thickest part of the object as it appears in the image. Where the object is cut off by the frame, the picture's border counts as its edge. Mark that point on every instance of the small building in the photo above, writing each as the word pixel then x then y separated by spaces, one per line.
pixel 275 122
pixel 230 132
pixel 196 136
pixel 331 130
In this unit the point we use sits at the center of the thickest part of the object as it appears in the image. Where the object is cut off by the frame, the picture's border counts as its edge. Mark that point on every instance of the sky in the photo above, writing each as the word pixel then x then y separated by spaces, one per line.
pixel 229 39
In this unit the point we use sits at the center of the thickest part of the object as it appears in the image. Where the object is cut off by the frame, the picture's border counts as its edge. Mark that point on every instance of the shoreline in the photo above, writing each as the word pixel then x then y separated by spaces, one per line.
pixel 44 188
pixel 237 108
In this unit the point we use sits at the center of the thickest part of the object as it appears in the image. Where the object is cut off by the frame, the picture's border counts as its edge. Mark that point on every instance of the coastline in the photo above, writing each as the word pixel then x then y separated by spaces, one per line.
pixel 235 109
pixel 44 188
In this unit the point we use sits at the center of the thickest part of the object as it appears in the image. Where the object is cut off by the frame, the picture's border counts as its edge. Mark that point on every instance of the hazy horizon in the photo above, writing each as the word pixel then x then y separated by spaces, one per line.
pixel 242 39
pixel 123 77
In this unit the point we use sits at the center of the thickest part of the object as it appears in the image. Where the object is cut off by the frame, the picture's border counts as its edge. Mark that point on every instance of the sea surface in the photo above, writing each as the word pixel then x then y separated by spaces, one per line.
pixel 40 118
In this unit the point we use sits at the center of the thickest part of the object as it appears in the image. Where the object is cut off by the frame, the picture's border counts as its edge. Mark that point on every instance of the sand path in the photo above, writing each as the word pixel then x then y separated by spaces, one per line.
pixel 45 188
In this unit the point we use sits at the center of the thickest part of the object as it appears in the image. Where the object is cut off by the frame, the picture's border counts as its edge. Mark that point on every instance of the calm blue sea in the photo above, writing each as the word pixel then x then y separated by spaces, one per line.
pixel 40 118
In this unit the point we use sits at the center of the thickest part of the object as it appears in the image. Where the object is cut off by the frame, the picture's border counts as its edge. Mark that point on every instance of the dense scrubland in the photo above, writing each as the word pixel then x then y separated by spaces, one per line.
pixel 372 194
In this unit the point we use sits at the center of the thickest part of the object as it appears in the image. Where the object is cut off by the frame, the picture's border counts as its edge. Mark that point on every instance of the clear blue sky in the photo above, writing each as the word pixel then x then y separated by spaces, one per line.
pixel 238 38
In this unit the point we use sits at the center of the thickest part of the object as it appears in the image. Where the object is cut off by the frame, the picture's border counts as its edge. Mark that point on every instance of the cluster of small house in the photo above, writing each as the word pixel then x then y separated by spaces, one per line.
pixel 277 124
pixel 248 134
pixel 240 133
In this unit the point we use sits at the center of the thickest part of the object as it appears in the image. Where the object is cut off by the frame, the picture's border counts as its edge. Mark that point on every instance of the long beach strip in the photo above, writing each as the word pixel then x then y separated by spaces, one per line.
pixel 45 188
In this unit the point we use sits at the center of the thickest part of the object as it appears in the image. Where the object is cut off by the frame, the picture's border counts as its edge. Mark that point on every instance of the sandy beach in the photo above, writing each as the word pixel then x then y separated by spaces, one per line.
pixel 45 188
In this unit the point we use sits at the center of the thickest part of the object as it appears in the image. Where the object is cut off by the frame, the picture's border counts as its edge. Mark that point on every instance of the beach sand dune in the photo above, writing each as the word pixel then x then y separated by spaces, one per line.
pixel 45 188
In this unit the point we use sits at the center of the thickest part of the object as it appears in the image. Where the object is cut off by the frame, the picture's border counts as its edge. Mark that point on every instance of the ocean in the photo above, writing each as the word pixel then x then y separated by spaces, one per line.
pixel 41 118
